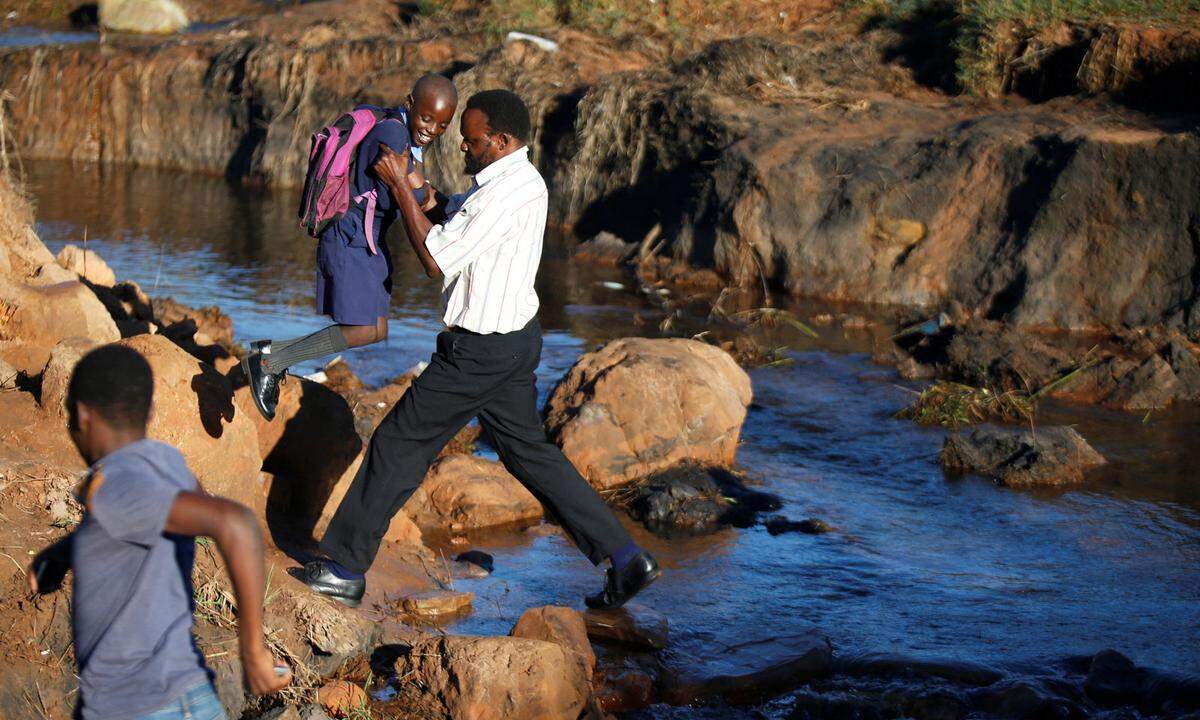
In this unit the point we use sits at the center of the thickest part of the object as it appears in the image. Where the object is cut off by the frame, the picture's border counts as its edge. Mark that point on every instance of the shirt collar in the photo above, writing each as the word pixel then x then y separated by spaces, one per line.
pixel 497 168
pixel 418 153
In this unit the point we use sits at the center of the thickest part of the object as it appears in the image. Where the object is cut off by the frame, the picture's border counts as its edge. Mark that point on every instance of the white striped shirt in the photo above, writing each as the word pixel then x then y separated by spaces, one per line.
pixel 489 247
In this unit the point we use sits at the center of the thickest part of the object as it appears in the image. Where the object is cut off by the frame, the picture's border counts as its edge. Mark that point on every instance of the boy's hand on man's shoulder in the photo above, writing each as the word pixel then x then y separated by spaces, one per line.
pixel 392 167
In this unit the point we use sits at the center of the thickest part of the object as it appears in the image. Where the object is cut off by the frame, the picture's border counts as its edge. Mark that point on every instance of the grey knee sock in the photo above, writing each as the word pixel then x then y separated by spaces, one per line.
pixel 320 344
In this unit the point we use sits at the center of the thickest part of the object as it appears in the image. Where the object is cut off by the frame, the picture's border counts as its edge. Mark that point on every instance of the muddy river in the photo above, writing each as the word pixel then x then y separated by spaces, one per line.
pixel 955 569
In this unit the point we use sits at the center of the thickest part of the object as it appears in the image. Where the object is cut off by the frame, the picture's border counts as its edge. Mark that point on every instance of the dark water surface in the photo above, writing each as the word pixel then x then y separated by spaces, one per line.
pixel 918 563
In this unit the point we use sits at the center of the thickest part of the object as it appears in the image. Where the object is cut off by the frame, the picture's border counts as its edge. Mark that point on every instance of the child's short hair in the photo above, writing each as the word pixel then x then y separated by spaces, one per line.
pixel 505 110
pixel 116 382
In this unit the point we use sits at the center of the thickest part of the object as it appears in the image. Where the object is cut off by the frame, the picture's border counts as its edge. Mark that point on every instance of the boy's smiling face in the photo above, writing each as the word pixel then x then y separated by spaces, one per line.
pixel 429 116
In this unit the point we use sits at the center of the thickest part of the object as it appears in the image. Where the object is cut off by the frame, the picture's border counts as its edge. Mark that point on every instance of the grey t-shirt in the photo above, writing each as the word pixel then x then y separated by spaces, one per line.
pixel 132 611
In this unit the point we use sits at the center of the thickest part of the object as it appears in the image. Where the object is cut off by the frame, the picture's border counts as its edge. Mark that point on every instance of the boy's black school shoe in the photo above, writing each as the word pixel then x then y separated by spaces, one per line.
pixel 621 585
pixel 320 578
pixel 264 386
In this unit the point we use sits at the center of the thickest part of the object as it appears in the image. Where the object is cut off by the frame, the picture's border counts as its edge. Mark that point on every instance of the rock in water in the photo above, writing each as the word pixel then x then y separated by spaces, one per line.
pixel 477 558
pixel 779 525
pixel 1113 679
pixel 434 604
pixel 466 492
pixel 752 671
pixel 697 499
pixel 87 265
pixel 149 17
pixel 561 626
pixel 639 405
pixel 494 678
pixel 634 625
pixel 1022 458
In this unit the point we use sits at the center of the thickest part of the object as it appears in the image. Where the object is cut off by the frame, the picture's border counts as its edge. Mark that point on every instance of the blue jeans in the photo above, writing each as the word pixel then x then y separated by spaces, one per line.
pixel 198 703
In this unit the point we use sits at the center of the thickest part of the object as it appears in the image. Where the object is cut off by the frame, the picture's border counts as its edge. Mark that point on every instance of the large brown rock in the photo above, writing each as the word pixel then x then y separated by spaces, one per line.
pixel 639 405
pixel 57 375
pixel 494 678
pixel 87 264
pixel 35 318
pixel 194 410
pixel 561 626
pixel 462 492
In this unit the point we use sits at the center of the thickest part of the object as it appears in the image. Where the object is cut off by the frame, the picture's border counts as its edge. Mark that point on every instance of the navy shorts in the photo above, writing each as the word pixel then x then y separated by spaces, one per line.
pixel 354 287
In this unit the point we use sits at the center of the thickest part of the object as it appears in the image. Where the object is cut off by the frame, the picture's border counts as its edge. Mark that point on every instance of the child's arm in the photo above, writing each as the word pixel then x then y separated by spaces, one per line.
pixel 235 531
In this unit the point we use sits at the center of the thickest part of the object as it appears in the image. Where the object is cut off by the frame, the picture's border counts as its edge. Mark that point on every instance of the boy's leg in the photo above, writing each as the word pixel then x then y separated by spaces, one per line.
pixel 282 354
pixel 441 400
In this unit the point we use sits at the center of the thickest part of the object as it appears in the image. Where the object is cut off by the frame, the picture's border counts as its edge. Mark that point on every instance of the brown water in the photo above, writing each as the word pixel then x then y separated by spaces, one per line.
pixel 918 564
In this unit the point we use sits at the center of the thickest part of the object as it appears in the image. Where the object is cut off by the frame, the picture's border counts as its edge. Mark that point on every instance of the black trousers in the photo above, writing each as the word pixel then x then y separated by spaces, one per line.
pixel 486 376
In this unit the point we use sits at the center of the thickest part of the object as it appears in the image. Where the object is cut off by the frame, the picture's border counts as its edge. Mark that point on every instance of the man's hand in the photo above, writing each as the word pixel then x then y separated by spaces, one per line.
pixel 392 167
pixel 263 673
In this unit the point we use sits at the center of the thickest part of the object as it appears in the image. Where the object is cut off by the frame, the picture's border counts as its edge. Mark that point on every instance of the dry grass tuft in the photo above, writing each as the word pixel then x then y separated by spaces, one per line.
pixel 953 405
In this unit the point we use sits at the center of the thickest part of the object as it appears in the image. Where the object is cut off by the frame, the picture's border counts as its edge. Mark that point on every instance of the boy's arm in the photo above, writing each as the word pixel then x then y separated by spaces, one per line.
pixel 235 531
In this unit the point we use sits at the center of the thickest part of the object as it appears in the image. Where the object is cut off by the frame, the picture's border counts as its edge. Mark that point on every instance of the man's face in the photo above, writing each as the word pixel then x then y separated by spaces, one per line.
pixel 428 118
pixel 479 145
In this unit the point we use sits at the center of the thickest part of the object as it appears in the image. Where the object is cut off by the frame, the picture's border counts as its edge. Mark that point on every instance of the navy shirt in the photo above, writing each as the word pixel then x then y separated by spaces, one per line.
pixel 350 228
pixel 132 609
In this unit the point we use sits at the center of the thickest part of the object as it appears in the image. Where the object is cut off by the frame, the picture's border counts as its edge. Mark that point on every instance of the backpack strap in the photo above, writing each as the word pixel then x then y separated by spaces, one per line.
pixel 369 218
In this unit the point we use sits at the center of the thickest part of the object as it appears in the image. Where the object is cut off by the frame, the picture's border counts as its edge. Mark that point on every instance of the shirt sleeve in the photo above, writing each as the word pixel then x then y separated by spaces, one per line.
pixel 131 503
pixel 475 228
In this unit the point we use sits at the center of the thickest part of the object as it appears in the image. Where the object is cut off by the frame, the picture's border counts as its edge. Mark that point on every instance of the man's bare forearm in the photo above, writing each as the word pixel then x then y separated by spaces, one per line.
pixel 416 225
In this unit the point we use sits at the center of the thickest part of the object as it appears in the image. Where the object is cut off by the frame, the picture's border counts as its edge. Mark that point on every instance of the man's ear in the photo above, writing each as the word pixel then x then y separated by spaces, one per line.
pixel 408 103
pixel 503 141
pixel 79 416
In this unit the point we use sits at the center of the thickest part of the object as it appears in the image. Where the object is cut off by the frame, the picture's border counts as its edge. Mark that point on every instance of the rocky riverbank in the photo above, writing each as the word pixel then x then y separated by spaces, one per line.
pixel 821 161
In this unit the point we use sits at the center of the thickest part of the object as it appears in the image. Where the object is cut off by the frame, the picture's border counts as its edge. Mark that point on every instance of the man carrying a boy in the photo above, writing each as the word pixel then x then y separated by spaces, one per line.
pixel 487 254
pixel 354 265
pixel 132 556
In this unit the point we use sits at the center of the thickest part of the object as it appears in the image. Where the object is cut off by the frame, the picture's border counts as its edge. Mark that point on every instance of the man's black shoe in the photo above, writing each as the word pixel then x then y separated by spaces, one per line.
pixel 264 386
pixel 317 575
pixel 621 585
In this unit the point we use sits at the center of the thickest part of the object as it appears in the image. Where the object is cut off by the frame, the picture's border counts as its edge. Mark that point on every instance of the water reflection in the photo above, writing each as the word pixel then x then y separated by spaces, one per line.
pixel 917 563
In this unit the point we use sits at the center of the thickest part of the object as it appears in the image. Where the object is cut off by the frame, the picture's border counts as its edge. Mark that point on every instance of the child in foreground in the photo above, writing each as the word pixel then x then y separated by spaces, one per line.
pixel 132 555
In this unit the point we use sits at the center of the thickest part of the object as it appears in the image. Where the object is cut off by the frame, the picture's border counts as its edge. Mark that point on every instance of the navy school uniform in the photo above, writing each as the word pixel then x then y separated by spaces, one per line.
pixel 354 272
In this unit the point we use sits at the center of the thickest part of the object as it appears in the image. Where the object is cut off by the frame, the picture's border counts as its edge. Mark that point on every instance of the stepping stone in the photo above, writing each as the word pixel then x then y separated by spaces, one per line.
pixel 437 603
pixel 752 671
pixel 634 625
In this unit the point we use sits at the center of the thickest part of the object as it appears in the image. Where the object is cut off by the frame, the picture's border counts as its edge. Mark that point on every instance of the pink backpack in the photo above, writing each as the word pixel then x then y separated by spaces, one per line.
pixel 332 167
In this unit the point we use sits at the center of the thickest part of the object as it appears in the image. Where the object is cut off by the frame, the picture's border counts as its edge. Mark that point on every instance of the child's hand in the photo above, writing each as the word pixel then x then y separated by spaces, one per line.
pixel 47 572
pixel 416 180
pixel 391 166
pixel 264 674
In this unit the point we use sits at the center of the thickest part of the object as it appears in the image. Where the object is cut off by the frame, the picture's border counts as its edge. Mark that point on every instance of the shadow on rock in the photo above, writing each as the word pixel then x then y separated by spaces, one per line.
pixel 213 399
